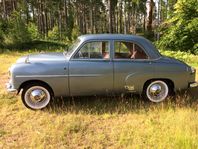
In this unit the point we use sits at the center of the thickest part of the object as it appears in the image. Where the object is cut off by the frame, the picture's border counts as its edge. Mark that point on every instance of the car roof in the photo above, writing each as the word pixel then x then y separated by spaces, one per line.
pixel 109 37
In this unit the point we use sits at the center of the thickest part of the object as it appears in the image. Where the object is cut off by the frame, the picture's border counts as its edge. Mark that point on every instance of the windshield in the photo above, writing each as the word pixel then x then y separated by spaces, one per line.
pixel 72 47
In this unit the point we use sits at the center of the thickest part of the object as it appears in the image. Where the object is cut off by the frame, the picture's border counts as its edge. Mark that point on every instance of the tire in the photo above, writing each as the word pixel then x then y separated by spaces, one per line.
pixel 156 91
pixel 36 96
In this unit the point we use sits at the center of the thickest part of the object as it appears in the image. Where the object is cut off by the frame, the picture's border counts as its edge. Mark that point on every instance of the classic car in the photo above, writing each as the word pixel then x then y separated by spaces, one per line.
pixel 99 64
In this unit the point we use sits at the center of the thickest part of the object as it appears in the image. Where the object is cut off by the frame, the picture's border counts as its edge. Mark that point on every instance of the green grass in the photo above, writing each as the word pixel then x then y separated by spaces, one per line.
pixel 183 56
pixel 98 122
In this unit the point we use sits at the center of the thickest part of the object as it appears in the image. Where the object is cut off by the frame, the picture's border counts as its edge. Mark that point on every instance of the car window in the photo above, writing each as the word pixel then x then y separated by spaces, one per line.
pixel 128 50
pixel 94 50
pixel 72 47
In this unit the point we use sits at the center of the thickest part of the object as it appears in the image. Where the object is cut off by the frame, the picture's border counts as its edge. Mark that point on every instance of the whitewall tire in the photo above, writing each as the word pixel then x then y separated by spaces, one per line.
pixel 157 91
pixel 36 96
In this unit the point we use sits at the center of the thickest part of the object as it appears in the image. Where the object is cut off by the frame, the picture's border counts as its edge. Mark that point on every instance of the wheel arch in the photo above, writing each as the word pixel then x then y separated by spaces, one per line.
pixel 35 82
pixel 169 82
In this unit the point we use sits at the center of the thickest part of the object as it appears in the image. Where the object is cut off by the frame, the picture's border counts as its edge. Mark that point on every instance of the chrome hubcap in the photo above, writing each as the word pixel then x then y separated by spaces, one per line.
pixel 155 89
pixel 37 95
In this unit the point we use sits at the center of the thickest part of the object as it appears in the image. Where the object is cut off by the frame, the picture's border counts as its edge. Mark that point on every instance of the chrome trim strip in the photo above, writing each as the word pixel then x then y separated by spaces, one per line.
pixel 48 76
pixel 12 90
pixel 194 84
pixel 85 75
pixel 40 76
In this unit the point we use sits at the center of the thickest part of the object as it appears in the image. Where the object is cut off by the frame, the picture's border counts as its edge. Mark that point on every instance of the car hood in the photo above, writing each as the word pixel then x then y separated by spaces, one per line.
pixel 49 57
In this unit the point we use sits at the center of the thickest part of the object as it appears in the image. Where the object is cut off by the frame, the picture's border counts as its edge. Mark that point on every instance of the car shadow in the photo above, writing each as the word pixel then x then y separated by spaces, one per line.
pixel 120 105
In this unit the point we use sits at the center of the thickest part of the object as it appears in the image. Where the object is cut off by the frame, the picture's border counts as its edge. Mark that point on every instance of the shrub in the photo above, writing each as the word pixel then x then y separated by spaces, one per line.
pixel 17 31
pixel 180 32
pixel 54 33
pixel 33 31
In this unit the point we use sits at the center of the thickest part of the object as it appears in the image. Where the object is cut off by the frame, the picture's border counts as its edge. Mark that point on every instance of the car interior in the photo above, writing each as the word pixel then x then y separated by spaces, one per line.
pixel 100 50
pixel 128 50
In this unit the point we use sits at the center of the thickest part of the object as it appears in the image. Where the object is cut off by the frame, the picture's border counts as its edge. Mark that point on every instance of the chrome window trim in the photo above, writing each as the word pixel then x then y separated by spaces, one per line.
pixel 134 42
pixel 90 59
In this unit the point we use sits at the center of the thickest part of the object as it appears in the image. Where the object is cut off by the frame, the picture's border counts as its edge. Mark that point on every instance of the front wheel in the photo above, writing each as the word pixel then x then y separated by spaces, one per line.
pixel 156 91
pixel 36 96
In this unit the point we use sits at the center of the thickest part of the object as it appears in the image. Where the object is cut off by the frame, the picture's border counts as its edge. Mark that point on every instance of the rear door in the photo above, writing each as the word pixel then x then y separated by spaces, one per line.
pixel 132 66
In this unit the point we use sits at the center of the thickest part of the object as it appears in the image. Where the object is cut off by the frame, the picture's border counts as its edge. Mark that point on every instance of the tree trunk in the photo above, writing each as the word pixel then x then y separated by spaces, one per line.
pixel 4 10
pixel 46 24
pixel 144 23
pixel 65 11
pixel 42 19
pixel 149 15
pixel 84 21
pixel 125 19
pixel 60 23
pixel 27 12
pixel 121 17
pixel 13 5
pixel 33 13
pixel 110 17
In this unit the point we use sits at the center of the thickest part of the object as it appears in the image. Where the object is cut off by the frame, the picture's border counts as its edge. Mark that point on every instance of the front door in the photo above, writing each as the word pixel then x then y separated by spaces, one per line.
pixel 91 70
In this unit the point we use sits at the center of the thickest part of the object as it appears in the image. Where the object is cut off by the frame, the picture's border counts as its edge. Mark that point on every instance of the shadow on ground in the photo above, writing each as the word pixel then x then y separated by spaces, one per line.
pixel 119 105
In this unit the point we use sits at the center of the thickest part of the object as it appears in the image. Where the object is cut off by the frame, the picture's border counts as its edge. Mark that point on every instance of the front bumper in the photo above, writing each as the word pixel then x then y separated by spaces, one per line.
pixel 10 88
pixel 193 84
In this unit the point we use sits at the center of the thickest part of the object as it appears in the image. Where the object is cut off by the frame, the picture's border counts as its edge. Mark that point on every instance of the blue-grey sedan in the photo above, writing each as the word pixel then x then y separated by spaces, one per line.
pixel 99 64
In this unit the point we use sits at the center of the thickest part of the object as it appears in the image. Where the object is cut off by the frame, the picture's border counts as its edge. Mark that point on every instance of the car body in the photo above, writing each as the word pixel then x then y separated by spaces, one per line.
pixel 99 64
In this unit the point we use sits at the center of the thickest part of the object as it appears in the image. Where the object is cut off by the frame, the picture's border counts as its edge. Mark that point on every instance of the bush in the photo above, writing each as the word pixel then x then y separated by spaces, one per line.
pixel 180 32
pixel 75 32
pixel 33 31
pixel 54 33
pixel 17 31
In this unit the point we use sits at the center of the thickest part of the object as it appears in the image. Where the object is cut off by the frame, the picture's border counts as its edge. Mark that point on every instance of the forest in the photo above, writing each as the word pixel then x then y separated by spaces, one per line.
pixel 170 24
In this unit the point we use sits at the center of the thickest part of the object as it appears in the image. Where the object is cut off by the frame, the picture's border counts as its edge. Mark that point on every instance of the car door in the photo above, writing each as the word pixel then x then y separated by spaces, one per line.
pixel 91 69
pixel 132 66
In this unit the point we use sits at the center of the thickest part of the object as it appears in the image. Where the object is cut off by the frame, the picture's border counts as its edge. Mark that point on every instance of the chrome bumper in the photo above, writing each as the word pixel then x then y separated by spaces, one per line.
pixel 193 84
pixel 10 89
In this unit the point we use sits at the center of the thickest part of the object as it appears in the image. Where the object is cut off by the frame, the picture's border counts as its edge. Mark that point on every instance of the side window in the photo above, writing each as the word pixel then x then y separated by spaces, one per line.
pixel 94 50
pixel 128 50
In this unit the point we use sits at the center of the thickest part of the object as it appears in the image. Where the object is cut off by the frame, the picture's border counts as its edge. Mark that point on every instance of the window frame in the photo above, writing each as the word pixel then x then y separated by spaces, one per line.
pixel 129 59
pixel 92 59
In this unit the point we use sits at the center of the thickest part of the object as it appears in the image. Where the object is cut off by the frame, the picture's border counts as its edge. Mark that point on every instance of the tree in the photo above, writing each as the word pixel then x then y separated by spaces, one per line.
pixel 180 32
pixel 149 15
pixel 62 19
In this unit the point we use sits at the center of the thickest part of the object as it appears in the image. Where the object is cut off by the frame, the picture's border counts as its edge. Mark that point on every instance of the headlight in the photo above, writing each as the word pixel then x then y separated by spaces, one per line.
pixel 10 72
pixel 192 70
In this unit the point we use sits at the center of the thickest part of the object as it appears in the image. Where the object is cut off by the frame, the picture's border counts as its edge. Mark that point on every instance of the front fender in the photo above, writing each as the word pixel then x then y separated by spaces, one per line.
pixel 53 73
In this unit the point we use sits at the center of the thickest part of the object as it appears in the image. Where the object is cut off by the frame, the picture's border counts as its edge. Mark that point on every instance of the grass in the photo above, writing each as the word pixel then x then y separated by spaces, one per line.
pixel 97 122
pixel 183 56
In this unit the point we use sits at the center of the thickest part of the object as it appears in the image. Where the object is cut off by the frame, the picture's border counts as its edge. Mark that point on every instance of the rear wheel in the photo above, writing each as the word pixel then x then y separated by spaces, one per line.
pixel 36 96
pixel 156 91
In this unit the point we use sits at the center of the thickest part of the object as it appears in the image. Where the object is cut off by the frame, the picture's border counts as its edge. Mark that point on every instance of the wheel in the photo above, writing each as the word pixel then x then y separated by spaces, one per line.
pixel 36 96
pixel 156 91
